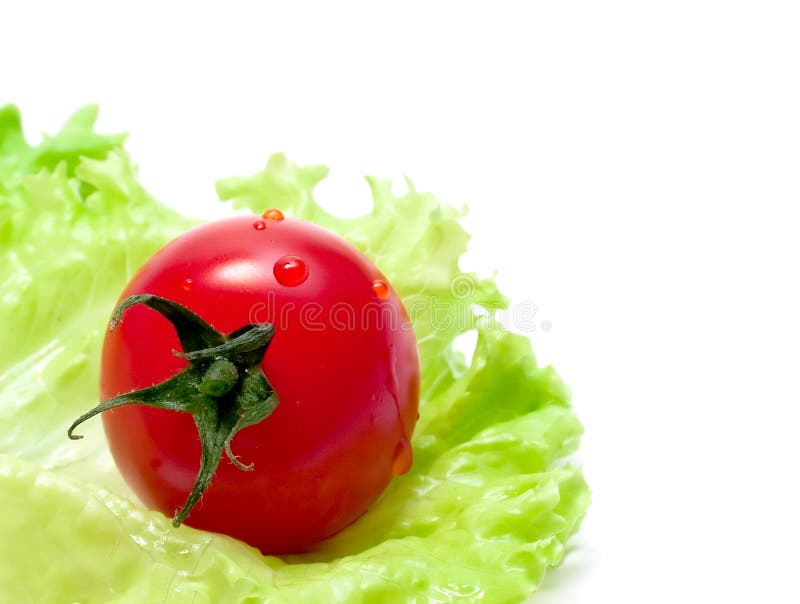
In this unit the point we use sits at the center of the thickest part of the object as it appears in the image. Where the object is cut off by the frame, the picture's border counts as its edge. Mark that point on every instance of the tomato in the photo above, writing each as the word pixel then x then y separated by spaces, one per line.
pixel 342 361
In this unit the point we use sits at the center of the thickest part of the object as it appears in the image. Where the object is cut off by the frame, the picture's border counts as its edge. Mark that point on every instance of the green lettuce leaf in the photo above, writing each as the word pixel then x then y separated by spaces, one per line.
pixel 486 509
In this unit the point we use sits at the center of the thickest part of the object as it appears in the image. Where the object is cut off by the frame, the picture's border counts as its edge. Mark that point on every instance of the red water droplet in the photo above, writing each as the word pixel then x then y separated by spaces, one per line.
pixel 403 457
pixel 290 271
pixel 259 225
pixel 188 284
pixel 273 214
pixel 381 289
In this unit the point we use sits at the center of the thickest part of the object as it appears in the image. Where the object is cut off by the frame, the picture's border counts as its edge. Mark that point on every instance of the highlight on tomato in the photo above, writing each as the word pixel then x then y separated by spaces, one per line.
pixel 259 378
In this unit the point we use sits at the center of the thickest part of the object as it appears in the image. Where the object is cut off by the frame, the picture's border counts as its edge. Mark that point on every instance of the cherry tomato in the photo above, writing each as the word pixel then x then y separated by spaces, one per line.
pixel 343 363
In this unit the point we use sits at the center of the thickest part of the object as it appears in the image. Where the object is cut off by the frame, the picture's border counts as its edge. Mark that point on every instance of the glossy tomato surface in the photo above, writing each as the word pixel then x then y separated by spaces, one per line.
pixel 343 362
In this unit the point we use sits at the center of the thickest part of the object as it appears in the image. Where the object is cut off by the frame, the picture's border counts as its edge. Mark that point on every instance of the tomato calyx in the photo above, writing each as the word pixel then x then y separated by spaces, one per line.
pixel 223 386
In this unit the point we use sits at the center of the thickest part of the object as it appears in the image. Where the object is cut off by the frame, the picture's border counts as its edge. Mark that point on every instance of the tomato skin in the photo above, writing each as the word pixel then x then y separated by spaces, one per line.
pixel 343 362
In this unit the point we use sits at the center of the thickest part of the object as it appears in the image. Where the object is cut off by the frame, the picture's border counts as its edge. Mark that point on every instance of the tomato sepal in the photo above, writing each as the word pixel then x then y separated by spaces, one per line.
pixel 222 387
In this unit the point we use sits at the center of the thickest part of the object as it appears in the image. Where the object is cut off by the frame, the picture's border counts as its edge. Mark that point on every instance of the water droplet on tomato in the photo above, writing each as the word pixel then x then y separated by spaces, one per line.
pixel 403 457
pixel 259 225
pixel 273 214
pixel 290 271
pixel 188 284
pixel 381 289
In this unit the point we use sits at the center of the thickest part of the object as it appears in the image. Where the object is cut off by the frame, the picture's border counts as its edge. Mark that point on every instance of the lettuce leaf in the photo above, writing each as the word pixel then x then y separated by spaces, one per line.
pixel 486 509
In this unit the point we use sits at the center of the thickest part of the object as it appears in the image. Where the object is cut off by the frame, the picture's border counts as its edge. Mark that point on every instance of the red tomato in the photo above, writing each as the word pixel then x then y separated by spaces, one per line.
pixel 343 362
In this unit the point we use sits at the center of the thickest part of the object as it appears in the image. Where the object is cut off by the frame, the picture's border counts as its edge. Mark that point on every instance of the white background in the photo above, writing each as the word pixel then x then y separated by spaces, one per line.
pixel 630 167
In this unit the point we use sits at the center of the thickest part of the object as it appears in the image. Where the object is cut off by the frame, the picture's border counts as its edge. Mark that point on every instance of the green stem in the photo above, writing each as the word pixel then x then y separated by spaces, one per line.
pixel 223 386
